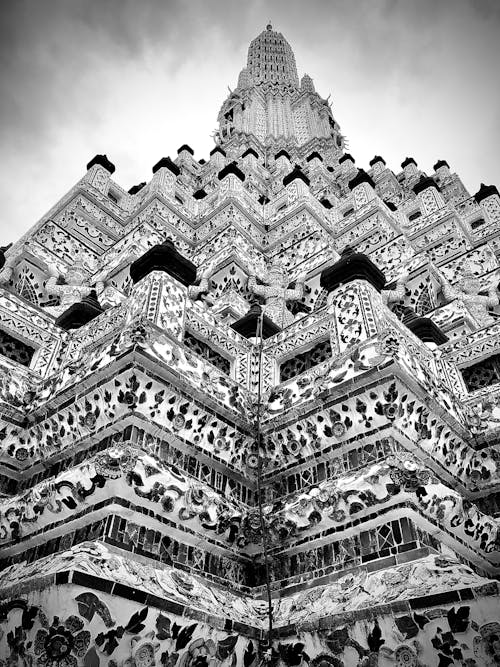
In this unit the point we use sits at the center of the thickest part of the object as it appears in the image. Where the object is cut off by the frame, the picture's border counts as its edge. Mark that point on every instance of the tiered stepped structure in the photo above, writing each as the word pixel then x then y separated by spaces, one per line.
pixel 250 409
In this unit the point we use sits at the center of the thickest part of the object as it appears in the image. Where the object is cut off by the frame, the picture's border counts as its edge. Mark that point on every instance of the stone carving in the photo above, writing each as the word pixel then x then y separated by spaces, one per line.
pixel 276 294
pixel 108 296
pixel 75 287
pixel 337 501
pixel 427 576
pixel 468 292
pixel 397 294
pixel 11 261
pixel 203 288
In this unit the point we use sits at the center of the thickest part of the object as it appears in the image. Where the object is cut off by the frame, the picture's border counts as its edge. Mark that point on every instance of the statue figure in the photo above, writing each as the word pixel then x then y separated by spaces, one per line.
pixel 396 295
pixel 108 296
pixel 7 270
pixel 74 289
pixel 195 291
pixel 467 292
pixel 276 294
pixel 9 265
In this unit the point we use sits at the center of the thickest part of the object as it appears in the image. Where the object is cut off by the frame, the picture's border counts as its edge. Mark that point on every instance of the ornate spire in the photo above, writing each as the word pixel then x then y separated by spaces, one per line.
pixel 270 59
pixel 270 105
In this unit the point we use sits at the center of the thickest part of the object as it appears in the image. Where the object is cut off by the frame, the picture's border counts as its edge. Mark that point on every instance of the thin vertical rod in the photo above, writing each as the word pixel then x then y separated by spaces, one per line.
pixel 258 438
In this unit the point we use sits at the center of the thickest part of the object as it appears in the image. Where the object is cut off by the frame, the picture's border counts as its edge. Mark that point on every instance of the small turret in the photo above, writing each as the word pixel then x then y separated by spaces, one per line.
pixel 244 79
pixel 409 167
pixel 347 163
pixel 102 160
pixel 306 84
pixel 378 164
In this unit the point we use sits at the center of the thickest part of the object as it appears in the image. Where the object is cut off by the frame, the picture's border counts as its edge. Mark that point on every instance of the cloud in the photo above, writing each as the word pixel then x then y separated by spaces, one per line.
pixel 135 80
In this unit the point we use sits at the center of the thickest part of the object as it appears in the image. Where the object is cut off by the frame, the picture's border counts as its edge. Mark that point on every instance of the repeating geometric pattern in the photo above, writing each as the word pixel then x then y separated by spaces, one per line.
pixel 168 484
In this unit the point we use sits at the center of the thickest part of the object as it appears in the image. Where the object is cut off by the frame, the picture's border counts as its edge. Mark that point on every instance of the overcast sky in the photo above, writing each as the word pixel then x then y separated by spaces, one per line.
pixel 135 79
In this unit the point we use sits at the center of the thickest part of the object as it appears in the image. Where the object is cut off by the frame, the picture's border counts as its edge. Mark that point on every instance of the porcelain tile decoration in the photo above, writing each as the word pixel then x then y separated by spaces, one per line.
pixel 250 409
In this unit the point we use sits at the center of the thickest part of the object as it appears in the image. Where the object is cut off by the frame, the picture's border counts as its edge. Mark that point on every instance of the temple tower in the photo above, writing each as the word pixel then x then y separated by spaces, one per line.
pixel 249 407
pixel 271 106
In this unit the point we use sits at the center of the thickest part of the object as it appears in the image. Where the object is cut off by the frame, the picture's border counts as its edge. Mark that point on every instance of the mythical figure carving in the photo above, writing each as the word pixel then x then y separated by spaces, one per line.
pixel 10 264
pixel 73 290
pixel 108 295
pixel 467 291
pixel 398 293
pixel 276 294
pixel 195 291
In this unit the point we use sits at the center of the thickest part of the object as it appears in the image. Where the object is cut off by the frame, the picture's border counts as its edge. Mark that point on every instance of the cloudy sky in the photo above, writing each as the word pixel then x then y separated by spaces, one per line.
pixel 135 79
